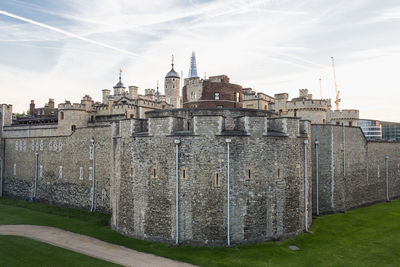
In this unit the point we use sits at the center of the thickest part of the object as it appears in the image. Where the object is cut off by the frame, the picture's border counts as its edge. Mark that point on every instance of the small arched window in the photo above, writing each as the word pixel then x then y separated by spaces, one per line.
pixel 61 115
pixel 73 128
pixel 217 180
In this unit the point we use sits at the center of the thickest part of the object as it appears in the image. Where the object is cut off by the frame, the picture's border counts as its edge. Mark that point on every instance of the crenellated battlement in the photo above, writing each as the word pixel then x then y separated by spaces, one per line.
pixel 323 104
pixel 71 106
pixel 215 122
pixel 345 113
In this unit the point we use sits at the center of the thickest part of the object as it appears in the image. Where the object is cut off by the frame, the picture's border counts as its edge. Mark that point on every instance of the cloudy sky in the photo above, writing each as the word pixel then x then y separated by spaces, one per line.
pixel 68 48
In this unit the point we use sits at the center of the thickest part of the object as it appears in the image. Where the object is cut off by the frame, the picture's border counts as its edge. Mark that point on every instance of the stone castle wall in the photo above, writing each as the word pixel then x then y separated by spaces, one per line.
pixel 352 170
pixel 315 116
pixel 135 172
pixel 268 205
pixel 64 168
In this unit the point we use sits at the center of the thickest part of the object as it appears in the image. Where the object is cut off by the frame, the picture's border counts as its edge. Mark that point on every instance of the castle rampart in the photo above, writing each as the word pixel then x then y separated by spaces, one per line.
pixel 134 171
pixel 64 170
pixel 351 169
pixel 267 194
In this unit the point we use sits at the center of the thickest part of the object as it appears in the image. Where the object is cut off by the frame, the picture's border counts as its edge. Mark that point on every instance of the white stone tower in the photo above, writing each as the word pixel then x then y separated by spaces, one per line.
pixel 172 87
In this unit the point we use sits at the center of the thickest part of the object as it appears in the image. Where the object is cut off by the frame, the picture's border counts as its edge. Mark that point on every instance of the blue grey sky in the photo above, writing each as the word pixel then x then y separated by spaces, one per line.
pixel 68 48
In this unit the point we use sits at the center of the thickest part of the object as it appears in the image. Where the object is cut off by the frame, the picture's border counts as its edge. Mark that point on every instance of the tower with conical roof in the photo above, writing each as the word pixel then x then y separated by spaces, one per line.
pixel 172 87
pixel 193 66
pixel 119 88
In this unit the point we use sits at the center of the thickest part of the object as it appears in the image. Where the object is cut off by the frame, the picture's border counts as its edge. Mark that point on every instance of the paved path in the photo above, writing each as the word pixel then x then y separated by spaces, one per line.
pixel 89 246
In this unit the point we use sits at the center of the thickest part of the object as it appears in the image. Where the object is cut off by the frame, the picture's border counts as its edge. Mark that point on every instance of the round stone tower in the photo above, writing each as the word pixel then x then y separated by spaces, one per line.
pixel 172 87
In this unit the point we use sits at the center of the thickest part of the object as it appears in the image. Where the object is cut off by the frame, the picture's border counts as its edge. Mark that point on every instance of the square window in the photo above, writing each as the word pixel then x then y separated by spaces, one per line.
pixel 216 96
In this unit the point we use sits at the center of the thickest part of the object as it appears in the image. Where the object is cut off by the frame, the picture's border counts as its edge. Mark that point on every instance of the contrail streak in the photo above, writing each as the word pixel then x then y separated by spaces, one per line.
pixel 67 33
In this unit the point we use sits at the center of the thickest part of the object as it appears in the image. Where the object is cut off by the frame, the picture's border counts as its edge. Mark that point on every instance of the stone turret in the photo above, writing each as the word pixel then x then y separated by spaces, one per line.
pixel 73 115
pixel 172 87
pixel 119 88
pixel 6 113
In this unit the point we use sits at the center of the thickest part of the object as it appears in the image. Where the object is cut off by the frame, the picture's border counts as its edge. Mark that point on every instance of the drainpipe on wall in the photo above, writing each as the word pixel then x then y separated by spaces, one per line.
pixel 1 177
pixel 228 233
pixel 305 186
pixel 93 206
pixel 343 151
pixel 36 176
pixel 177 142
pixel 387 176
pixel 317 175
pixel 2 162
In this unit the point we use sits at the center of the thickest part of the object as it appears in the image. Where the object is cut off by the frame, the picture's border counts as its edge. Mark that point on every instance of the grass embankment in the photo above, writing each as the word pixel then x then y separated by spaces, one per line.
pixel 368 236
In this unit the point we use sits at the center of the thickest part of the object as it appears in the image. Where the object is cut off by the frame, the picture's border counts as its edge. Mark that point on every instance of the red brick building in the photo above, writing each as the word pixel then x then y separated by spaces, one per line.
pixel 215 92
pixel 49 110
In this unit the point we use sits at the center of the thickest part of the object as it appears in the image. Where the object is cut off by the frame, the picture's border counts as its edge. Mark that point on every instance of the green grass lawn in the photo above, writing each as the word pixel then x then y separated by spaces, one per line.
pixel 19 251
pixel 364 237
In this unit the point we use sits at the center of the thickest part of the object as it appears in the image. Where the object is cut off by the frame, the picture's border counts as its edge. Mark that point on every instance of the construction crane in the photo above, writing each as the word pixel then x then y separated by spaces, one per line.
pixel 337 101
pixel 320 88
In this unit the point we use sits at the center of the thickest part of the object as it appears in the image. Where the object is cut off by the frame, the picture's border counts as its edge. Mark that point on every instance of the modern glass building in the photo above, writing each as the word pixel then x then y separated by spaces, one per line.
pixel 372 129
pixel 390 130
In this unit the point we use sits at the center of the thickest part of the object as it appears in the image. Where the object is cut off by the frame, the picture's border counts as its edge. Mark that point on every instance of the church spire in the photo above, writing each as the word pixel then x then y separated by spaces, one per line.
pixel 157 93
pixel 193 66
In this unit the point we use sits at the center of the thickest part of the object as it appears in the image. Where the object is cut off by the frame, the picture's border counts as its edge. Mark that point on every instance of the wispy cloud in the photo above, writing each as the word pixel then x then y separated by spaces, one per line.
pixel 66 33
pixel 272 46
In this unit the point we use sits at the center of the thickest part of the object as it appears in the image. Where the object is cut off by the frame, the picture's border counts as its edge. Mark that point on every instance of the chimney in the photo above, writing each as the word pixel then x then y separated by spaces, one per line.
pixel 133 92
pixel 51 103
pixel 32 108
pixel 106 93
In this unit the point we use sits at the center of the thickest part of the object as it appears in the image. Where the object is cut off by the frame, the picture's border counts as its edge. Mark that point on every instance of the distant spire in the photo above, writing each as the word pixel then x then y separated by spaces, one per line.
pixel 157 92
pixel 193 66
pixel 172 73
pixel 120 71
